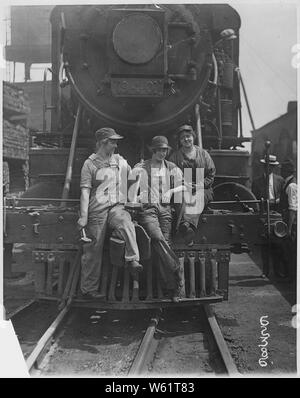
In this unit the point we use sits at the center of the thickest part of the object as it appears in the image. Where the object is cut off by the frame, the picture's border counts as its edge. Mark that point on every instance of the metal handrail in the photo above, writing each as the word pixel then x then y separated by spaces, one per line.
pixel 45 106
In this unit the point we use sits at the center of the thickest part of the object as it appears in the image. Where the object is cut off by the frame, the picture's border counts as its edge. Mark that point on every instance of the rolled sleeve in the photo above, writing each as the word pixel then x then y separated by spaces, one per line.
pixel 210 171
pixel 86 176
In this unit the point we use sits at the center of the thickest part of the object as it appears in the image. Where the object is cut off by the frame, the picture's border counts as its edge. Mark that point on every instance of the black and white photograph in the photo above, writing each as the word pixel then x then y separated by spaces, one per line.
pixel 149 192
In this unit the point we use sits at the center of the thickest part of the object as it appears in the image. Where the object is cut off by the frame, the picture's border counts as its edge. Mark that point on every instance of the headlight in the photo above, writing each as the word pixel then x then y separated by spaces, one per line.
pixel 280 229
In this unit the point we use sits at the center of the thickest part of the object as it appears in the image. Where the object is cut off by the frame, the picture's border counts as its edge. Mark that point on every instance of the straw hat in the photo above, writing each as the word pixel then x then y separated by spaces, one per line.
pixel 272 160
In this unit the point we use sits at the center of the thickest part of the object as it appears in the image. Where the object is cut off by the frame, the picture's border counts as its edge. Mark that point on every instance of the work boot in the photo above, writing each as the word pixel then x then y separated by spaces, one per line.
pixel 187 232
pixel 134 268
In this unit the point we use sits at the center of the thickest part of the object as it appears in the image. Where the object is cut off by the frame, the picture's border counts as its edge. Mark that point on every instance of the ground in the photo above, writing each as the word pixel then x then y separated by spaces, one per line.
pixel 252 297
pixel 240 318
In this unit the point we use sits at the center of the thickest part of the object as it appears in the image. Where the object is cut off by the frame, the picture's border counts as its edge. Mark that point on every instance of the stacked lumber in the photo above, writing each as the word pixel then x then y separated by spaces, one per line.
pixel 15 102
pixel 5 181
pixel 15 141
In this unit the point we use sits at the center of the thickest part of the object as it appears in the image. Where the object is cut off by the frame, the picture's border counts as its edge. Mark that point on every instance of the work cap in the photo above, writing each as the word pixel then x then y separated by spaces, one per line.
pixel 186 128
pixel 107 132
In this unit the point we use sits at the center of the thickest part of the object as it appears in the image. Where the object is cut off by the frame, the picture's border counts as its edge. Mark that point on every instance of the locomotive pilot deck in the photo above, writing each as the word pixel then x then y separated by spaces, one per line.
pixel 204 267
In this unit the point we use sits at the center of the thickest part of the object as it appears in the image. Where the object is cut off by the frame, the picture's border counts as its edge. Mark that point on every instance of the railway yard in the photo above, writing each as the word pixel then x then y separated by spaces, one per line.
pixel 152 343
pixel 148 231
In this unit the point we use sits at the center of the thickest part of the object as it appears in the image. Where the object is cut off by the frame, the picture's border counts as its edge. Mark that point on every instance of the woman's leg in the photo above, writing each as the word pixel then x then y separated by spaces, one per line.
pixel 168 264
pixel 91 260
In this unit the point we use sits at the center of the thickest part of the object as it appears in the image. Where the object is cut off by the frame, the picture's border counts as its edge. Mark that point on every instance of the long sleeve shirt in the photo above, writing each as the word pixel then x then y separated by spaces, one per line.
pixel 202 160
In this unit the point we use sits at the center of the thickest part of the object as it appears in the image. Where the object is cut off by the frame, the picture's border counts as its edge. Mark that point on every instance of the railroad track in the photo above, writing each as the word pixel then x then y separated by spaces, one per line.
pixel 167 341
pixel 155 352
pixel 30 321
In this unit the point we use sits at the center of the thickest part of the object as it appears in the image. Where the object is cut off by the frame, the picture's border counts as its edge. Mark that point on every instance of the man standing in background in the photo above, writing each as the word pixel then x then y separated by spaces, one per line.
pixel 259 188
pixel 289 205
pixel 259 184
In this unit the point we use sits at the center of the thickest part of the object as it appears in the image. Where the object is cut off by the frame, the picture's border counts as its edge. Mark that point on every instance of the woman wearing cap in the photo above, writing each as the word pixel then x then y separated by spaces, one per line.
pixel 190 156
pixel 163 180
pixel 102 205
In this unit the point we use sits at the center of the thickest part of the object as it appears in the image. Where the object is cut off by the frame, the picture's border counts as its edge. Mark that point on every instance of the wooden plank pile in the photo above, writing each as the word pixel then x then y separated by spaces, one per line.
pixel 15 134
pixel 5 182
pixel 15 102
pixel 15 141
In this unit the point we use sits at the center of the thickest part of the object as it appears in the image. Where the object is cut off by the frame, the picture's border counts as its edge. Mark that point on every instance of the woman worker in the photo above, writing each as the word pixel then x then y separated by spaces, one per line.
pixel 199 170
pixel 163 180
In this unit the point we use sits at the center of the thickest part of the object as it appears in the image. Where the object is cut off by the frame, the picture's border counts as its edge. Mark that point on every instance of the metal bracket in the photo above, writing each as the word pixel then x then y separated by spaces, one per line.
pixel 35 228
pixel 233 228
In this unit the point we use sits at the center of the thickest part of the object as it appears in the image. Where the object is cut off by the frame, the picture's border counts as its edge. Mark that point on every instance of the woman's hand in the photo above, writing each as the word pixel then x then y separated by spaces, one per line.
pixel 166 197
pixel 143 197
pixel 82 222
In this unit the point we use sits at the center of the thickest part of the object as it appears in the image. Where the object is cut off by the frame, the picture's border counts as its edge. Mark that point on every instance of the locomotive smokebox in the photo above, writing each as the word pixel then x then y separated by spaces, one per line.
pixel 137 52
pixel 141 69
pixel 138 68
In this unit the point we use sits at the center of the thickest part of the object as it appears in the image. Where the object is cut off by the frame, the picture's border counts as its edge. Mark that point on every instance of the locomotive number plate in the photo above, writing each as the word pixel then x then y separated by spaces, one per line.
pixel 134 87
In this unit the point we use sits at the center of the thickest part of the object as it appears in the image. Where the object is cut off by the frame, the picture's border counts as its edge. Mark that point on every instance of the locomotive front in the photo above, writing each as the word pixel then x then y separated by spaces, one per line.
pixel 143 70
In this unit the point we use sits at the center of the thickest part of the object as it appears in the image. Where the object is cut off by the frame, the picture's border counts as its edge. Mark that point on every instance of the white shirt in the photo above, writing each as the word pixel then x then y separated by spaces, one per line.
pixel 271 187
pixel 158 176
pixel 292 194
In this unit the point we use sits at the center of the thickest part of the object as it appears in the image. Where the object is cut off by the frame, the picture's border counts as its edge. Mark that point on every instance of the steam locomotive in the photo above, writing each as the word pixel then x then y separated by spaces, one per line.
pixel 143 70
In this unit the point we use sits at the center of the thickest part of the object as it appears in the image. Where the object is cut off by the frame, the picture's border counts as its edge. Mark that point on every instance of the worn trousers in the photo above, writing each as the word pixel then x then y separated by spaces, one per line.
pixel 117 220
pixel 157 221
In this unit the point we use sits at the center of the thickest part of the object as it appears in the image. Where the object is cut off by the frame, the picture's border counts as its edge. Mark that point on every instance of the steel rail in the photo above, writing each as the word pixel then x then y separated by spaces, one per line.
pixel 45 339
pixel 66 305
pixel 20 309
pixel 146 348
pixel 227 359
